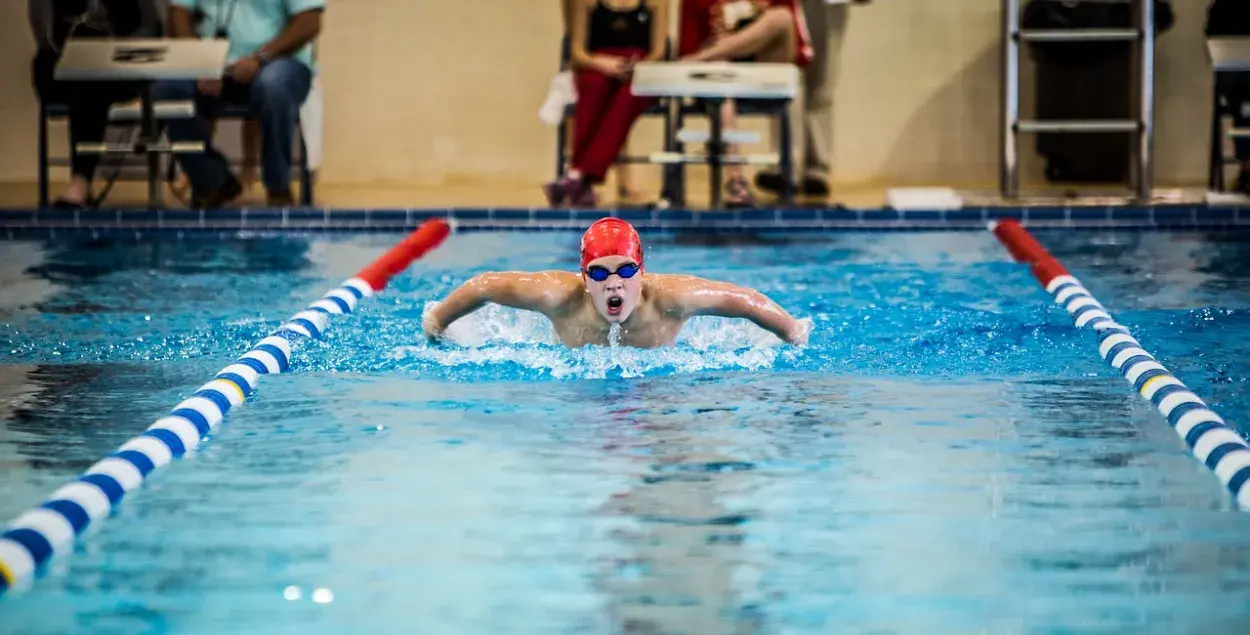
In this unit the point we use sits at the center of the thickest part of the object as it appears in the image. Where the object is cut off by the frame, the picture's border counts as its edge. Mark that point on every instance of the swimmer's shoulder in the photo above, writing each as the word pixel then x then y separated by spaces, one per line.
pixel 671 290
pixel 563 289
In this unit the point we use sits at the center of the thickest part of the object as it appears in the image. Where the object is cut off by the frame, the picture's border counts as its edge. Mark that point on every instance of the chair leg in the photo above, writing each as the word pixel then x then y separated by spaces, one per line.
pixel 305 175
pixel 43 156
pixel 678 173
pixel 787 158
pixel 1215 155
pixel 562 139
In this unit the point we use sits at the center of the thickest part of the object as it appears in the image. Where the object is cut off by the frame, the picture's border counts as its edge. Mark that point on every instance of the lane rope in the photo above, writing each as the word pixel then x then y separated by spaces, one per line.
pixel 31 540
pixel 1210 440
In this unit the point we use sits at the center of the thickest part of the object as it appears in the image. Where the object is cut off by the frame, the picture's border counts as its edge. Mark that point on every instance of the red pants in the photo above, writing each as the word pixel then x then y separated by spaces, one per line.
pixel 606 110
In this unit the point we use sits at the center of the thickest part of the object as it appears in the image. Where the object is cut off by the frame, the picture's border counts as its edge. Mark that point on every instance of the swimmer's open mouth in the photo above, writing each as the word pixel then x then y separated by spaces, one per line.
pixel 614 305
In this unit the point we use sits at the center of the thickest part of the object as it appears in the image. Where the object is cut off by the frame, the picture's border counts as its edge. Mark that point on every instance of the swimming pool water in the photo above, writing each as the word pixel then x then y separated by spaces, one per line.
pixel 948 455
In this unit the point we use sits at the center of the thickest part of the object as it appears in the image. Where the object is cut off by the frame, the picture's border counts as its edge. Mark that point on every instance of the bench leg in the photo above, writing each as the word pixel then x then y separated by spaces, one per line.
pixel 43 156
pixel 716 148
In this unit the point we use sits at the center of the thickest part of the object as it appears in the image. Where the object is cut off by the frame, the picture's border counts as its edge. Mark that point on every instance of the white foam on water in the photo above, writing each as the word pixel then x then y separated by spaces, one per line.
pixel 499 335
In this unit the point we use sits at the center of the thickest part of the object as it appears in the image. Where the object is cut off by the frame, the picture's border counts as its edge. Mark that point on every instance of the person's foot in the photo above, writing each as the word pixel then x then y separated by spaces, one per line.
pixel 581 194
pixel 556 193
pixel 280 199
pixel 1243 182
pixel 64 203
pixel 217 197
pixel 738 194
pixel 815 186
pixel 770 182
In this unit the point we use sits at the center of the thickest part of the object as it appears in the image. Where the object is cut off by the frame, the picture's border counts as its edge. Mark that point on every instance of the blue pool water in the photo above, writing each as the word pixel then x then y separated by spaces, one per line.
pixel 948 455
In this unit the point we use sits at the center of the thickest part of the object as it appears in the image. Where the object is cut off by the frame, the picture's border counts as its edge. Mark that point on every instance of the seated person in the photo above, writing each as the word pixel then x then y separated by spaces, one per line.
pixel 269 68
pixel 742 31
pixel 613 292
pixel 54 21
pixel 607 38
pixel 1231 18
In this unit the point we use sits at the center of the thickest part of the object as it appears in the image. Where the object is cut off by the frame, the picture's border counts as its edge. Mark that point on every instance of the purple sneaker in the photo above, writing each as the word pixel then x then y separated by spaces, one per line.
pixel 582 194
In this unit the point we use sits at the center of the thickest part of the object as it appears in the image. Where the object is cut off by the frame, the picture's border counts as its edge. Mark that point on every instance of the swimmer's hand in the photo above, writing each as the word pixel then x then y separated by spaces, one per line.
pixel 433 330
pixel 798 332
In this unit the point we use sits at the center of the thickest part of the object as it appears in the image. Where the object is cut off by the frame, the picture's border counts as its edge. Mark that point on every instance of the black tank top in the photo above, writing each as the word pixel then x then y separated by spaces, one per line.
pixel 615 28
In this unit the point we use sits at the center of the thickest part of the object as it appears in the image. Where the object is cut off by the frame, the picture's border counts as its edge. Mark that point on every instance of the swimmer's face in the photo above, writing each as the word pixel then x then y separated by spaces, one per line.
pixel 615 298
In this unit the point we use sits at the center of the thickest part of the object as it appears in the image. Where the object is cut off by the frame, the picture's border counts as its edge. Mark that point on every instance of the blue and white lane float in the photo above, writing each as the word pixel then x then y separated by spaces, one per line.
pixel 40 534
pixel 1211 441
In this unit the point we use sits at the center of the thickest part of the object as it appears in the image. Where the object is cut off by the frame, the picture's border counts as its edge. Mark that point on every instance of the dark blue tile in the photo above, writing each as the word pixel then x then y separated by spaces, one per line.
pixel 389 216
pixel 1132 214
pixel 98 216
pixel 715 217
pixel 1082 213
pixel 1046 213
pixel 138 216
pixel 922 215
pixel 180 216
pixel 1003 212
pixel 22 216
pixel 512 215
pixel 675 216
pixel 799 215
pixel 348 215
pixel 634 215
pixel 757 216
pixel 880 215
pixel 471 214
pixel 1216 214
pixel 305 214
pixel 264 215
pixel 552 214
pixel 588 215
pixel 1172 214
pixel 965 214
pixel 223 216
pixel 421 215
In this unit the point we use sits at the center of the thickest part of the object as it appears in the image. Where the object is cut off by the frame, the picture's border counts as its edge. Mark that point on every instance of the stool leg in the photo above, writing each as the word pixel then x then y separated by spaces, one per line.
pixel 1215 158
pixel 43 156
pixel 716 147
pixel 787 158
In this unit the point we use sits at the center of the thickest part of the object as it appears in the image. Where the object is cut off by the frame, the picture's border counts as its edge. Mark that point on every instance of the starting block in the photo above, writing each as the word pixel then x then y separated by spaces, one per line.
pixel 716 82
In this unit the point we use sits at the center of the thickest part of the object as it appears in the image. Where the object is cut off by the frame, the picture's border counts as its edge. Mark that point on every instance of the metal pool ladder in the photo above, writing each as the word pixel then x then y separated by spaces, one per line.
pixel 1142 151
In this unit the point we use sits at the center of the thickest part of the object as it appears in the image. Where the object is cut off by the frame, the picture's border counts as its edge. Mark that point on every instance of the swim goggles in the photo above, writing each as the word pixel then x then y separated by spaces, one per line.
pixel 599 273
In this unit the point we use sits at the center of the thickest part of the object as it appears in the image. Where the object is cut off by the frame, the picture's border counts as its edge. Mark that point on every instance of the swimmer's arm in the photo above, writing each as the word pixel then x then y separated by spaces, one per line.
pixel 721 299
pixel 544 292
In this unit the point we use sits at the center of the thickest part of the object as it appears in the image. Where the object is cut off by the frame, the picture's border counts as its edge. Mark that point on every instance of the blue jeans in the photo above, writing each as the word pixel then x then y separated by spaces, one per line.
pixel 273 98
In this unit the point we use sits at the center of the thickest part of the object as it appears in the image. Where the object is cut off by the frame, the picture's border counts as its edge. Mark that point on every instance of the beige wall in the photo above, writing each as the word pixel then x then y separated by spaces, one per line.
pixel 420 91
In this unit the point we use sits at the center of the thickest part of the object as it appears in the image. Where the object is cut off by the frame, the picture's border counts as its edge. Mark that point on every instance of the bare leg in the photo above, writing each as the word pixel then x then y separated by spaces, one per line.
pixel 773 28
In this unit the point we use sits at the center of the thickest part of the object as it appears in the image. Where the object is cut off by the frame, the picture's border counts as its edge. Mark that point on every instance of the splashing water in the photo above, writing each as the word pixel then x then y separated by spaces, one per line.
pixel 497 335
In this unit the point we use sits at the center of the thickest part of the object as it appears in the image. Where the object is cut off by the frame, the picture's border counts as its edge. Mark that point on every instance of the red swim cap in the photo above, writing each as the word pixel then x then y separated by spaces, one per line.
pixel 611 237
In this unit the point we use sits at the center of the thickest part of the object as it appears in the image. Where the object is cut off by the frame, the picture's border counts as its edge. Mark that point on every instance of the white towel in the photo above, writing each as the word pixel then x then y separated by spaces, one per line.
pixel 561 95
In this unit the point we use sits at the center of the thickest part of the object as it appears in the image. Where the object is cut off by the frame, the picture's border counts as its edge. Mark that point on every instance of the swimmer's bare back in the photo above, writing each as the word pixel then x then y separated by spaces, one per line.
pixel 667 302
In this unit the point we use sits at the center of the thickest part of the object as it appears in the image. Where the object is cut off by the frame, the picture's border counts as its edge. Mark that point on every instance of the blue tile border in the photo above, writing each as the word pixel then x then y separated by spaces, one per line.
pixel 131 222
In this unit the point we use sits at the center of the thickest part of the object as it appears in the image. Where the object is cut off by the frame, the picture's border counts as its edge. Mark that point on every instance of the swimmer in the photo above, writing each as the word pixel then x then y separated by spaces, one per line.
pixel 612 289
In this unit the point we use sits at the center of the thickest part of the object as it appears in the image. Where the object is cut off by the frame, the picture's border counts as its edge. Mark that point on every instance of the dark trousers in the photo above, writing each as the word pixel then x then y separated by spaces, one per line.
pixel 1235 89
pixel 273 98
pixel 88 104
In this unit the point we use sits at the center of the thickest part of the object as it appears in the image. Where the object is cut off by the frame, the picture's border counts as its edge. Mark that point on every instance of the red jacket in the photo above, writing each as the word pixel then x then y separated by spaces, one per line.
pixel 704 20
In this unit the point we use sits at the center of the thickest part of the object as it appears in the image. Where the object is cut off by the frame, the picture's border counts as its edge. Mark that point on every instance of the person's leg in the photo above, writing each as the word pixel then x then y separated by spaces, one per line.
pixel 594 91
pixel 208 171
pixel 276 95
pixel 89 105
pixel 774 29
pixel 819 82
pixel 618 118
pixel 251 152
pixel 775 34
